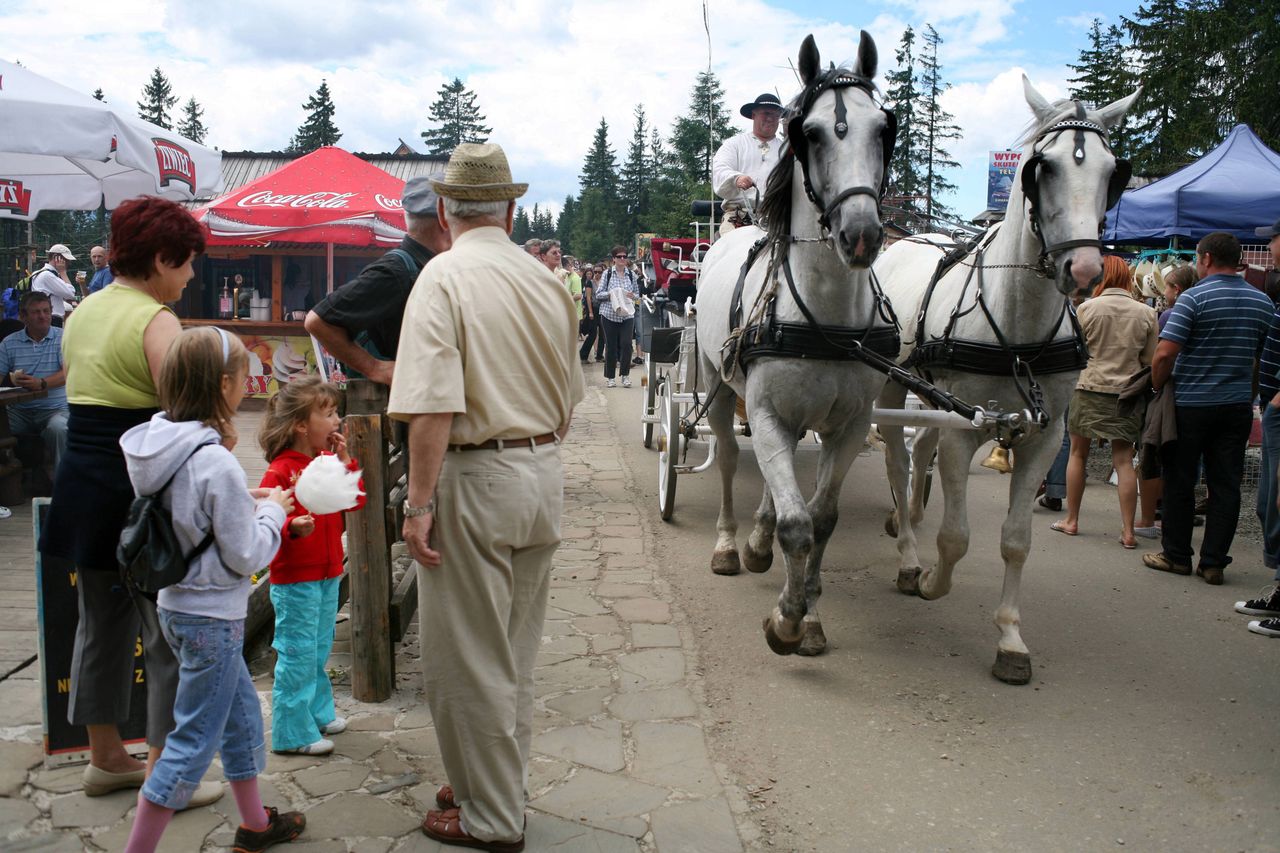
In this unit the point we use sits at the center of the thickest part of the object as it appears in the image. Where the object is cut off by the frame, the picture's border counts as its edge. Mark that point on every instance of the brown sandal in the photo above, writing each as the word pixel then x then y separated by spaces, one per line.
pixel 446 827
pixel 444 798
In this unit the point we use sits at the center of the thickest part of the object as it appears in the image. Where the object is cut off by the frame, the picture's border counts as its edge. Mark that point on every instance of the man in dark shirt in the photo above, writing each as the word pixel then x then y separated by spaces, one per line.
pixel 359 323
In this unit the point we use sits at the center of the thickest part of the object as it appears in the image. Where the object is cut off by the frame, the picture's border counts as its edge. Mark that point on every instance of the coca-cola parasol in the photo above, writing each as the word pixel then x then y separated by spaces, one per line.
pixel 328 196
pixel 63 150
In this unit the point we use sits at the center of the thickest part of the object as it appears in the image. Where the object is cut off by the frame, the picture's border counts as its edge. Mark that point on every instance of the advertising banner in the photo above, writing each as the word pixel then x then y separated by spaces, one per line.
pixel 275 360
pixel 1002 167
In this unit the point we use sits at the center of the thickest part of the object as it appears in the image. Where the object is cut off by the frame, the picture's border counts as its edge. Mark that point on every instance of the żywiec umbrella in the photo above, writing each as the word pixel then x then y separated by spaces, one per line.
pixel 61 150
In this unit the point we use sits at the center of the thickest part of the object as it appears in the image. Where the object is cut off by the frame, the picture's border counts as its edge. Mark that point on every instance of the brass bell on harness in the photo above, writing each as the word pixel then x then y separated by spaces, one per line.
pixel 999 460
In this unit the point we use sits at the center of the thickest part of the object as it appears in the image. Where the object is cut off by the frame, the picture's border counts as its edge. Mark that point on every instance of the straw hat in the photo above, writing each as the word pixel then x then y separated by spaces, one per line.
pixel 478 172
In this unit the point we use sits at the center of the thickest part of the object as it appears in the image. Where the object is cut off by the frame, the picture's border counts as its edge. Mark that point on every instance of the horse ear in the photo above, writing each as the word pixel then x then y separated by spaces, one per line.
pixel 868 57
pixel 1113 113
pixel 810 62
pixel 1039 103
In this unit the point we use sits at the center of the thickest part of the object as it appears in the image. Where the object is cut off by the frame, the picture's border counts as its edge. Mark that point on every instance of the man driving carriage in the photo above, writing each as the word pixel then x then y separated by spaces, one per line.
pixel 742 165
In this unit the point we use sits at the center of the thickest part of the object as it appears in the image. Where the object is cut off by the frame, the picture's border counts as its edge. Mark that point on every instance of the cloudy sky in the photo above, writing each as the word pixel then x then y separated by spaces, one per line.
pixel 545 72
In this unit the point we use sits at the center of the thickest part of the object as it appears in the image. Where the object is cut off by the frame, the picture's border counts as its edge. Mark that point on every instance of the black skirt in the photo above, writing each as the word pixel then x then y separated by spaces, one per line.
pixel 91 489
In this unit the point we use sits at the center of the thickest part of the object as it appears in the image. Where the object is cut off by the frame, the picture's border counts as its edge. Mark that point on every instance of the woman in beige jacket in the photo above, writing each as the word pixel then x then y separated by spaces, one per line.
pixel 1121 333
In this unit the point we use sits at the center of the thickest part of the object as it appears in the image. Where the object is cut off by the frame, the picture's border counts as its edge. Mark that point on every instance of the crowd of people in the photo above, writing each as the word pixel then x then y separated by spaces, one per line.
pixel 1178 390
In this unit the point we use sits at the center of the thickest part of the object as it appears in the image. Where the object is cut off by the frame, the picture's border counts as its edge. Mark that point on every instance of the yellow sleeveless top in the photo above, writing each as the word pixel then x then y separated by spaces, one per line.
pixel 102 349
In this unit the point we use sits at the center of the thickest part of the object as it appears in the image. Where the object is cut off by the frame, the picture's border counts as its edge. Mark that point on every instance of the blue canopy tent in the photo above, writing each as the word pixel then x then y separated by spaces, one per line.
pixel 1234 188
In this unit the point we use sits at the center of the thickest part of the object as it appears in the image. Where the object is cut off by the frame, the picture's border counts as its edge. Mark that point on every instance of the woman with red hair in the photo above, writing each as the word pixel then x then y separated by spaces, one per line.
pixel 112 347
pixel 1121 334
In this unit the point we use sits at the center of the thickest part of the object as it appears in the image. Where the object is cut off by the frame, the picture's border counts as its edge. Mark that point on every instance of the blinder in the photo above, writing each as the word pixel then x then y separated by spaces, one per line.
pixel 1119 180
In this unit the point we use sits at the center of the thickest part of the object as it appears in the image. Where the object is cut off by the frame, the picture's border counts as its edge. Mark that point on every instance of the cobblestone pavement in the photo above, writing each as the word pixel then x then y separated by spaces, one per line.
pixel 620 757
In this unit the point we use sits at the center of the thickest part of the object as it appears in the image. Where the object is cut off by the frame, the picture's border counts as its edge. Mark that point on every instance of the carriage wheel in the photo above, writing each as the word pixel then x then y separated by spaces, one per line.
pixel 669 446
pixel 650 398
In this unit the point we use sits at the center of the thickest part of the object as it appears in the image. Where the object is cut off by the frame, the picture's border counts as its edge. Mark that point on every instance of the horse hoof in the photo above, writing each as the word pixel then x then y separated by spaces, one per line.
pixel 891 524
pixel 814 642
pixel 1012 667
pixel 757 562
pixel 725 563
pixel 909 581
pixel 777 644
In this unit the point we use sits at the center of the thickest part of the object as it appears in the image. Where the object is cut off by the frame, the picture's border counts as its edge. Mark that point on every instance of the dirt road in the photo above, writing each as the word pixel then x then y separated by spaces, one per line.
pixel 1151 721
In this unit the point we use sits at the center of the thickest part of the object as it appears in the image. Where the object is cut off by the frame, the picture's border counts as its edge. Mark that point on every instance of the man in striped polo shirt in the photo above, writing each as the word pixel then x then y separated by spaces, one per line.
pixel 31 358
pixel 1208 347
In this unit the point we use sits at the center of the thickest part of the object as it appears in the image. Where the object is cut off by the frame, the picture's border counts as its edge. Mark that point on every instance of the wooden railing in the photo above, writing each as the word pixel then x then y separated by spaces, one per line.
pixel 380 613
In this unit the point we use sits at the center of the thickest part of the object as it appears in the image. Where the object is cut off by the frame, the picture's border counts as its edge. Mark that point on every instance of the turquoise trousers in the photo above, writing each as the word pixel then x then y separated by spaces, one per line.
pixel 302 698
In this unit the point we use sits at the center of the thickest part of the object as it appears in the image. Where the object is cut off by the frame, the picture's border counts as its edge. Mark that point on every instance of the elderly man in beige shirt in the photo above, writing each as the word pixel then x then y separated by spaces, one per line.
pixel 487 378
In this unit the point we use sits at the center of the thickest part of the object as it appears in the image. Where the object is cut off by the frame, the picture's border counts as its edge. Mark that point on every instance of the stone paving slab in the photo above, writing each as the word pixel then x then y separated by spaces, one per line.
pixel 620 761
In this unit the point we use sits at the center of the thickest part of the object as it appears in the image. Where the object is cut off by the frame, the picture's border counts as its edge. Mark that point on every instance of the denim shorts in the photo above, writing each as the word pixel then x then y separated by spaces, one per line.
pixel 216 711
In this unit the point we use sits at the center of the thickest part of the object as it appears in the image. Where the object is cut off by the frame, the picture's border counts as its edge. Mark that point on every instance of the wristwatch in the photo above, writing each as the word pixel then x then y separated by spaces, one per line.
pixel 411 511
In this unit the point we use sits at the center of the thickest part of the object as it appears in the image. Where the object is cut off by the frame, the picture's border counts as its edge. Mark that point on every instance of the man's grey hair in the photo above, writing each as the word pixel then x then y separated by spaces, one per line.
pixel 462 209
pixel 413 221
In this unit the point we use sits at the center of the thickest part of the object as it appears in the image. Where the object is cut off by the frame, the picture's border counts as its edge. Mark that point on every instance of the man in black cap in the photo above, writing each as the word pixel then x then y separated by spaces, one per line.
pixel 359 323
pixel 742 165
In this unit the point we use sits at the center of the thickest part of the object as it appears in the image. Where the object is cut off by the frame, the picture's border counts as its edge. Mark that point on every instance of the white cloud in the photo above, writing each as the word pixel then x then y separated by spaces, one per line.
pixel 544 71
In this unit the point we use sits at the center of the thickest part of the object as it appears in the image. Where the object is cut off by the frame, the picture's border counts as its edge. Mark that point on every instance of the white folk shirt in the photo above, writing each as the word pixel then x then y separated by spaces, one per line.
pixel 744 154
pixel 48 281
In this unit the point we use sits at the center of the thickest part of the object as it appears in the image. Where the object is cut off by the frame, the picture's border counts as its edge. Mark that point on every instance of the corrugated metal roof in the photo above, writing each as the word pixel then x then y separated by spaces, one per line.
pixel 243 167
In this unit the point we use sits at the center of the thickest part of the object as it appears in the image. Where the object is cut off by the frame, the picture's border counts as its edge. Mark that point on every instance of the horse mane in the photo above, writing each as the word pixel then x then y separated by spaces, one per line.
pixel 1063 108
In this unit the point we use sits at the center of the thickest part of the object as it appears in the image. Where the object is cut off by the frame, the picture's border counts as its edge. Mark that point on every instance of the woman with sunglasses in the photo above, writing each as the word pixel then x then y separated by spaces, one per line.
pixel 618 316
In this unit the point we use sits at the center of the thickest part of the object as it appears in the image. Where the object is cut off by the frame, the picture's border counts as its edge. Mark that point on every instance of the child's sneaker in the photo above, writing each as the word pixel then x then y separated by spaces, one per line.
pixel 336 727
pixel 320 747
pixel 280 828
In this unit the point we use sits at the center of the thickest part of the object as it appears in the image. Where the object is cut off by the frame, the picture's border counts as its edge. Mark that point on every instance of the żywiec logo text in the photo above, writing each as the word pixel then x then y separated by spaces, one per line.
pixel 323 200
pixel 175 164
pixel 14 198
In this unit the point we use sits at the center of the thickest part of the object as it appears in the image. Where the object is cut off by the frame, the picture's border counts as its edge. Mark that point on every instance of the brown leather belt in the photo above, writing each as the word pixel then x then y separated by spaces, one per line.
pixel 500 443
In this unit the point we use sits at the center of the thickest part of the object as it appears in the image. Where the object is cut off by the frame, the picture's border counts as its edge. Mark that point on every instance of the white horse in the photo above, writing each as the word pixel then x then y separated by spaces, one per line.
pixel 1046 248
pixel 824 230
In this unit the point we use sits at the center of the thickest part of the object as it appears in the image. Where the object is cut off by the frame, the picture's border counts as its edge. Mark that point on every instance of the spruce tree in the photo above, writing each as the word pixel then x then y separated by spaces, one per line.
pixel 637 176
pixel 157 100
pixel 192 125
pixel 600 169
pixel 1103 75
pixel 903 92
pixel 565 222
pixel 520 230
pixel 700 131
pixel 937 126
pixel 457 117
pixel 318 129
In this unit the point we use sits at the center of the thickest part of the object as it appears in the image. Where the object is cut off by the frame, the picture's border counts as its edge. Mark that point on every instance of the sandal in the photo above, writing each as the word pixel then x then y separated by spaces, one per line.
pixel 1058 526
pixel 1128 546
pixel 446 827
pixel 444 798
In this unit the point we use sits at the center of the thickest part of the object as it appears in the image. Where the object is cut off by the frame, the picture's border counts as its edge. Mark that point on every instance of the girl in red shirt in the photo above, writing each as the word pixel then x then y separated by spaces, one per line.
pixel 302 422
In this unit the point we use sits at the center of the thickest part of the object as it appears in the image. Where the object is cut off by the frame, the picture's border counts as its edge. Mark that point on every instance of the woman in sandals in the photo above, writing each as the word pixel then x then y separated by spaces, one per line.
pixel 1121 334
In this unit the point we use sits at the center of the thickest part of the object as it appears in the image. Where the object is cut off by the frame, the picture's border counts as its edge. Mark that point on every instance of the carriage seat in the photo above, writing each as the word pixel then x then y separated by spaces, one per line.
pixel 705 208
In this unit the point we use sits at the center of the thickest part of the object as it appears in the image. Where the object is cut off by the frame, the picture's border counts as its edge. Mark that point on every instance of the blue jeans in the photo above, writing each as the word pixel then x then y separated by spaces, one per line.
pixel 216 710
pixel 1268 515
pixel 1055 482
pixel 50 424
pixel 302 697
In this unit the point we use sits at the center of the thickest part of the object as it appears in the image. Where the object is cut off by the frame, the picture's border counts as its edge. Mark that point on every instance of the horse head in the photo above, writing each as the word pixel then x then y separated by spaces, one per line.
pixel 1069 178
pixel 840 141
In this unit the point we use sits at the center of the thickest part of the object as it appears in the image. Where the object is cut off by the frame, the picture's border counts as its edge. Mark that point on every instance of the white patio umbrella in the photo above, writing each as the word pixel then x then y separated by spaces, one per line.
pixel 61 150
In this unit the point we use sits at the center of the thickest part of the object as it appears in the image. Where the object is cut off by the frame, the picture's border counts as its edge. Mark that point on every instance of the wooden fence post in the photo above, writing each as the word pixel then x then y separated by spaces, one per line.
pixel 369 560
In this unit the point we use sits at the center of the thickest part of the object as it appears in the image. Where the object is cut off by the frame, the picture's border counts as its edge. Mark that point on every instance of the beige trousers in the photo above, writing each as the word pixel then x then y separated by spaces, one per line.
pixel 497 525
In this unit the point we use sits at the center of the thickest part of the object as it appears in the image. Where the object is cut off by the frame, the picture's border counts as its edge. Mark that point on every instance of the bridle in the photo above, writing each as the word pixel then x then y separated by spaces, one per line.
pixel 1030 177
pixel 836 80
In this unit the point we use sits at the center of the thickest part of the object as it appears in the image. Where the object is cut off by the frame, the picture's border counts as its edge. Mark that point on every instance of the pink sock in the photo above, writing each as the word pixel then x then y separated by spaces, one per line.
pixel 249 802
pixel 148 825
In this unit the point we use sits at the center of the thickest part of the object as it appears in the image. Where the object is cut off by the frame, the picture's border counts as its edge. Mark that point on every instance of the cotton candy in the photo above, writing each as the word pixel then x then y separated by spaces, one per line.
pixel 326 486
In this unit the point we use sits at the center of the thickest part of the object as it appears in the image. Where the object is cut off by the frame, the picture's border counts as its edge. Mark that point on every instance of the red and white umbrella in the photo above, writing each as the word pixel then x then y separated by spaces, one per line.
pixel 62 150
pixel 327 196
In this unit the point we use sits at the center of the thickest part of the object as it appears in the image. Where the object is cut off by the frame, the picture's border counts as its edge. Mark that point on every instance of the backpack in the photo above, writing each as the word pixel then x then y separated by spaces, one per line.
pixel 13 295
pixel 149 553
